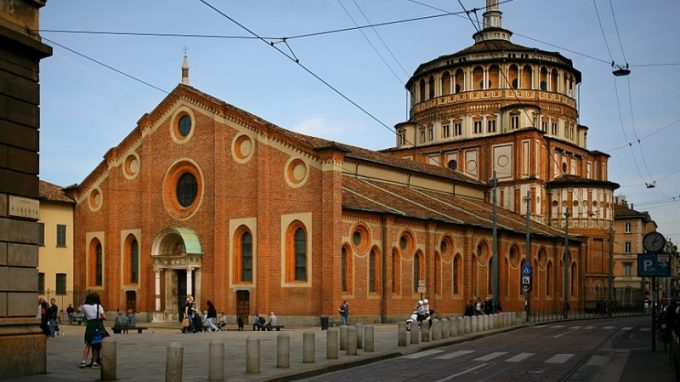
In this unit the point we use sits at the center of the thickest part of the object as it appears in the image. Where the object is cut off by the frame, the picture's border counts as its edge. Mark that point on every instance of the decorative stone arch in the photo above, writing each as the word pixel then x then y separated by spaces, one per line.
pixel 177 257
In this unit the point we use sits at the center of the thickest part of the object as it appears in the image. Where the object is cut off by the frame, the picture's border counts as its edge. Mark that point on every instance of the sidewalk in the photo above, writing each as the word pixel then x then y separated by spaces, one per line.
pixel 142 356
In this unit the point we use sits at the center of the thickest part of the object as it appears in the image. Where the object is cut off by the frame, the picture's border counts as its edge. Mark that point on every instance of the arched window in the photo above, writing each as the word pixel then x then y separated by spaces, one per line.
pixel 544 79
pixel 554 80
pixel 460 81
pixel 493 80
pixel 243 255
pixel 457 269
pixel 96 263
pixel 430 85
pixel 478 78
pixel 446 83
pixel 296 252
pixel 300 255
pixel 513 77
pixel 396 272
pixel 373 272
pixel 421 91
pixel 246 257
pixel 437 274
pixel 417 269
pixel 133 260
pixel 526 77
pixel 346 270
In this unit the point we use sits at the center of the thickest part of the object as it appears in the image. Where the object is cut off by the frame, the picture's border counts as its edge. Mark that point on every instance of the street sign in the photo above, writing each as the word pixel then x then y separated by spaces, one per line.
pixel 526 270
pixel 654 265
pixel 526 281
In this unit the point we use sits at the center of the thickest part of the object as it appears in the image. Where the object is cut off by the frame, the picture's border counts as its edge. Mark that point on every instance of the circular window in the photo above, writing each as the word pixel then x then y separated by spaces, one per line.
pixel 184 126
pixel 296 172
pixel 406 243
pixel 471 166
pixel 242 148
pixel 95 199
pixel 555 203
pixel 502 160
pixel 403 243
pixel 575 203
pixel 594 203
pixel 361 238
pixel 186 190
pixel 131 166
pixel 453 164
pixel 444 246
pixel 183 189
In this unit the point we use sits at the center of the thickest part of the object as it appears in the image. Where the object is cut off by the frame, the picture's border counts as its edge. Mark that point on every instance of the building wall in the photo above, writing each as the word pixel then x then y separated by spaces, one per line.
pixel 54 259
pixel 22 345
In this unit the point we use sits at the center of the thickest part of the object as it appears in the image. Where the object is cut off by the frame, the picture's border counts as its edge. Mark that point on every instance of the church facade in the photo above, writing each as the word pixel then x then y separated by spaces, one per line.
pixel 205 199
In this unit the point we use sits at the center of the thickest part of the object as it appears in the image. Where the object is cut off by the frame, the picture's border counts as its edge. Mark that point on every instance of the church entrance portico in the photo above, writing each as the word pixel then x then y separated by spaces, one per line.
pixel 177 256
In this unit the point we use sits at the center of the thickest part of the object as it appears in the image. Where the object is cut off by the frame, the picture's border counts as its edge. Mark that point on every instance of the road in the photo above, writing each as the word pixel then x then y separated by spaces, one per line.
pixel 588 350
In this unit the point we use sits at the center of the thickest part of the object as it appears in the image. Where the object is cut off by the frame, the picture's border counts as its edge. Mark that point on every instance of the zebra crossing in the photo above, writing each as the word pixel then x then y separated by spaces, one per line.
pixel 503 356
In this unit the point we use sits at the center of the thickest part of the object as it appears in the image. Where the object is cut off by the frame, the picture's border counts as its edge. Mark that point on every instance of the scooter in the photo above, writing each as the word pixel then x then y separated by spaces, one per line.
pixel 414 318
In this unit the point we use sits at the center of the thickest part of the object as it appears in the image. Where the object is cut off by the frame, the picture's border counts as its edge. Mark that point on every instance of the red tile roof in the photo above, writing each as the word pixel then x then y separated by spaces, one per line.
pixel 52 192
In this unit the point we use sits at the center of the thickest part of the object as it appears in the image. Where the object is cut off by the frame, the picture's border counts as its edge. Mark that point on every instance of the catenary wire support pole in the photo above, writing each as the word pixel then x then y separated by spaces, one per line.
pixel 527 256
pixel 565 292
pixel 496 292
pixel 611 271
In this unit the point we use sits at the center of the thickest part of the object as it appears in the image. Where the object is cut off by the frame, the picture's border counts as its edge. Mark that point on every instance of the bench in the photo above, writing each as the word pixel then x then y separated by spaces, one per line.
pixel 270 327
pixel 78 318
pixel 124 329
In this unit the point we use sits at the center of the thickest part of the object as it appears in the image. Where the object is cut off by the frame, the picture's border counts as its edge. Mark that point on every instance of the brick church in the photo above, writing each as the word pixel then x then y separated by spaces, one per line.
pixel 205 199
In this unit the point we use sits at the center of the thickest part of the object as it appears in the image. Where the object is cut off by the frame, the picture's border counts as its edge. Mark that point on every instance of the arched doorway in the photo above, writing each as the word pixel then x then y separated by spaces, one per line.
pixel 177 256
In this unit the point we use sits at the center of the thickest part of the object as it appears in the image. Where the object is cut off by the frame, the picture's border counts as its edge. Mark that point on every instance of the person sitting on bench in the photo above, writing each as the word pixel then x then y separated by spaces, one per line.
pixel 121 323
pixel 273 321
pixel 259 323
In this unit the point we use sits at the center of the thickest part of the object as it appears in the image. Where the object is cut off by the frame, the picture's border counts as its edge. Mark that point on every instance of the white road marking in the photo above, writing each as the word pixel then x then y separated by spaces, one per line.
pixel 559 358
pixel 627 328
pixel 519 357
pixel 557 326
pixel 598 360
pixel 455 354
pixel 607 327
pixel 561 334
pixel 491 356
pixel 575 327
pixel 422 354
pixel 589 327
pixel 452 376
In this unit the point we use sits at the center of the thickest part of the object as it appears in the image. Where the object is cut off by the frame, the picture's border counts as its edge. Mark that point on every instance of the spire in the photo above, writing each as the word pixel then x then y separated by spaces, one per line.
pixel 492 24
pixel 185 68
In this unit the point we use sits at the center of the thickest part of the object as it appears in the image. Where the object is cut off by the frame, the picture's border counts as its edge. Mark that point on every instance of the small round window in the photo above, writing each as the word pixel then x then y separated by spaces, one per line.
pixel 184 126
pixel 187 189
pixel 403 242
pixel 356 238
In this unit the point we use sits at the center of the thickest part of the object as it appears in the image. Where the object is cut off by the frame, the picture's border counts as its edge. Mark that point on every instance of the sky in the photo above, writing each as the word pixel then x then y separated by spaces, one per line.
pixel 89 107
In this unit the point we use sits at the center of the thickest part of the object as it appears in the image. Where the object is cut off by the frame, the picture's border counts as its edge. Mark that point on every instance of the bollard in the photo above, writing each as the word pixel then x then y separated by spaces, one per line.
pixel 308 350
pixel 173 362
pixel 445 328
pixel 352 340
pixel 332 343
pixel 343 337
pixel 474 324
pixel 283 351
pixel 414 334
pixel 468 324
pixel 360 336
pixel 453 327
pixel 401 334
pixel 369 339
pixel 485 323
pixel 425 331
pixel 216 360
pixel 109 362
pixel 436 330
pixel 492 321
pixel 252 356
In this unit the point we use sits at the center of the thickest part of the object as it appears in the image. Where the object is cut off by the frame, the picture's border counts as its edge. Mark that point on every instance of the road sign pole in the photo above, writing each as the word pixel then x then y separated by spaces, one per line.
pixel 654 297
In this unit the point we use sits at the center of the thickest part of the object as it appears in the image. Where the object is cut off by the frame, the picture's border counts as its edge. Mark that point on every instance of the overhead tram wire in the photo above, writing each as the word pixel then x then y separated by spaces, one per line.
pixel 657 131
pixel 105 65
pixel 306 69
pixel 371 44
pixel 375 30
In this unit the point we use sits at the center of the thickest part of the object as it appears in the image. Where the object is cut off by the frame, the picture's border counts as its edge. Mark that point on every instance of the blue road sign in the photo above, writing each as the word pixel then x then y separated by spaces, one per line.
pixel 654 265
pixel 526 270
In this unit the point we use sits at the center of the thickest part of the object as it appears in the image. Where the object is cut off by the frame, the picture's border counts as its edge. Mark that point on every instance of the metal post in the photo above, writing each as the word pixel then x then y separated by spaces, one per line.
pixel 565 294
pixel 654 300
pixel 527 255
pixel 611 271
pixel 496 290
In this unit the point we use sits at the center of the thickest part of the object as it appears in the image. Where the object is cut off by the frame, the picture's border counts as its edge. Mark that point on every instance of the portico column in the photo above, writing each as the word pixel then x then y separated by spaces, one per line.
pixel 157 272
pixel 190 274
